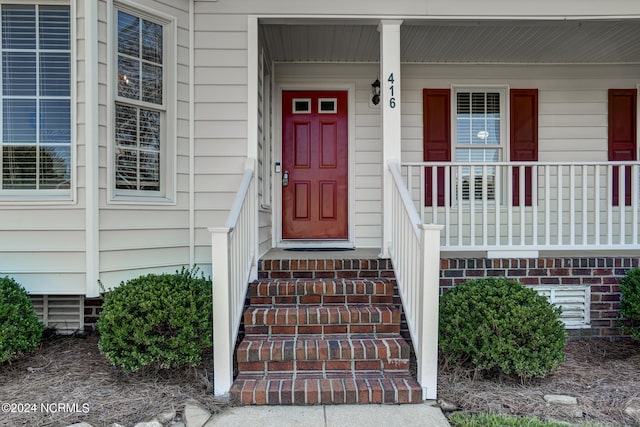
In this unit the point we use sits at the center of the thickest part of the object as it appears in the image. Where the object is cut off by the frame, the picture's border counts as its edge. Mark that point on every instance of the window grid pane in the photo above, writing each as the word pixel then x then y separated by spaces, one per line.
pixel 137 148
pixel 140 59
pixel 138 128
pixel 478 140
pixel 36 97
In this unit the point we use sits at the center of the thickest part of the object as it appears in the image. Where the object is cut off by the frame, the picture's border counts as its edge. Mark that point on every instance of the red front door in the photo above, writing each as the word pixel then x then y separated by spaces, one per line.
pixel 314 165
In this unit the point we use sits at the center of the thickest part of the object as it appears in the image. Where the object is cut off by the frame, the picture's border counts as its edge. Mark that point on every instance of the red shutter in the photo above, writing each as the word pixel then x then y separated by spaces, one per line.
pixel 437 136
pixel 524 138
pixel 622 136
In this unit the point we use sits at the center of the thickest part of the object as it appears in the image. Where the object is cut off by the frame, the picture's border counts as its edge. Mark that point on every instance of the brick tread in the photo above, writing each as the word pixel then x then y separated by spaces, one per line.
pixel 318 389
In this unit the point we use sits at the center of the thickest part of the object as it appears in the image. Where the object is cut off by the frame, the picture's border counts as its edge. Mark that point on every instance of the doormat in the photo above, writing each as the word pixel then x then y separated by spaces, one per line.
pixel 318 249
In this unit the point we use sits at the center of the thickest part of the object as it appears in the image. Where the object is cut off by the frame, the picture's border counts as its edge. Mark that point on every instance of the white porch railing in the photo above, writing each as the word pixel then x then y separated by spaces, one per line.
pixel 559 206
pixel 233 265
pixel 415 254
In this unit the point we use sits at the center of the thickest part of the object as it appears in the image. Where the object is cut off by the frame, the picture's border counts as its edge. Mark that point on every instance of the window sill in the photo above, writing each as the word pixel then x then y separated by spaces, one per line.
pixel 9 199
pixel 142 200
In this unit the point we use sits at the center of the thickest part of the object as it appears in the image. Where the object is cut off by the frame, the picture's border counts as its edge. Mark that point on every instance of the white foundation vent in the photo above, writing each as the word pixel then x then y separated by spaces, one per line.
pixel 64 313
pixel 575 302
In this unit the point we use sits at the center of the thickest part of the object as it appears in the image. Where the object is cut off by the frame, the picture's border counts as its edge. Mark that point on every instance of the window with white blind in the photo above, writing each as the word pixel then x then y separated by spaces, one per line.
pixel 479 138
pixel 141 154
pixel 35 155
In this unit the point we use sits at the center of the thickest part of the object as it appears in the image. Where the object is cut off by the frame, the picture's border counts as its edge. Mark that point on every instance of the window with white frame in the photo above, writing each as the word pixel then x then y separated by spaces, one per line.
pixel 140 113
pixel 35 155
pixel 479 138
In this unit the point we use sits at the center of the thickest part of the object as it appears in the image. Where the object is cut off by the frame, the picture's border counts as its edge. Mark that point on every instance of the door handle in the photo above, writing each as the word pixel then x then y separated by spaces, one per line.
pixel 285 178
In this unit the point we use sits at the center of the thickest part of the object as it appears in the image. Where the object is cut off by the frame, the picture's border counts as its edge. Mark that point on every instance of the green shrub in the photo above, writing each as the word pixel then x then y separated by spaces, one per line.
pixel 630 302
pixel 20 329
pixel 162 320
pixel 496 324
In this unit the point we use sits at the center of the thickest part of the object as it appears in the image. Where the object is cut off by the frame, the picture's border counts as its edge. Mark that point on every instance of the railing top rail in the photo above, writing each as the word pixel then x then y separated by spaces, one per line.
pixel 394 167
pixel 603 163
pixel 234 214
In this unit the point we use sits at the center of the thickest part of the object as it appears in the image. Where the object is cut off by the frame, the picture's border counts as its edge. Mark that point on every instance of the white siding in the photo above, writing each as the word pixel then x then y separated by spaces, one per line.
pixel 150 237
pixel 220 118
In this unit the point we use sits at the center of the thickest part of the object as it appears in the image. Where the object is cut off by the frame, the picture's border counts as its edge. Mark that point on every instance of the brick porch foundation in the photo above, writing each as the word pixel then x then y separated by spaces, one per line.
pixel 601 274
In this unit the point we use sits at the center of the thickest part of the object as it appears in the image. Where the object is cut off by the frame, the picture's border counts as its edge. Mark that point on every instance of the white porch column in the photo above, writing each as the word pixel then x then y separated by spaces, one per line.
pixel 390 102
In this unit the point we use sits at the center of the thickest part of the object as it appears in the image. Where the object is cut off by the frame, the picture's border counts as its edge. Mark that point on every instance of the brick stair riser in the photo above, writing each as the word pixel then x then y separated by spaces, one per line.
pixel 324 365
pixel 321 292
pixel 326 391
pixel 322 300
pixel 321 316
pixel 325 269
pixel 322 329
pixel 321 287
pixel 382 348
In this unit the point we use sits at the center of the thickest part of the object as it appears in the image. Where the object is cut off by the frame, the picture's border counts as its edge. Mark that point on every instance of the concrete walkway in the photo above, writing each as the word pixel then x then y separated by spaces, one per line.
pixel 426 414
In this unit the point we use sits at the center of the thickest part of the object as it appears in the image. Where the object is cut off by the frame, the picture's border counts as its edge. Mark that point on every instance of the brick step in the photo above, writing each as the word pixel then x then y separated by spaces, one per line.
pixel 323 320
pixel 324 268
pixel 318 388
pixel 331 353
pixel 321 291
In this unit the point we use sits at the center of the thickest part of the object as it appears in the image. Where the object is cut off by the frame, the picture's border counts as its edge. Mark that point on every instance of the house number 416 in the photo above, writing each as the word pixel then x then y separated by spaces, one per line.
pixel 392 99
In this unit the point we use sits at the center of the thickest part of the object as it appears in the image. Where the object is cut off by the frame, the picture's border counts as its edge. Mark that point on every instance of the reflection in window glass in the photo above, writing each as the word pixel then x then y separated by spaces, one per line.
pixel 138 128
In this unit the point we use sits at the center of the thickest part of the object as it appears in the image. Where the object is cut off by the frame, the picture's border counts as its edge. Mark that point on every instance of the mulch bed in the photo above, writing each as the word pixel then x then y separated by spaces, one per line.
pixel 604 376
pixel 70 371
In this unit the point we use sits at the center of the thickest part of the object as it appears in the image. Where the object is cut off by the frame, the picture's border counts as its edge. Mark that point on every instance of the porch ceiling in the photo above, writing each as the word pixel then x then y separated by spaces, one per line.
pixel 566 41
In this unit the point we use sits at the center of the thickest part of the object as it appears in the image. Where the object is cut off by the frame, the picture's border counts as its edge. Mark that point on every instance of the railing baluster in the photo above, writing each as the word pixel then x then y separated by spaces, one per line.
pixel 434 191
pixel 485 197
pixel 459 201
pixel 534 203
pixel 634 204
pixel 510 206
pixel 610 205
pixel 547 205
pixel 498 203
pixel 584 205
pixel 521 202
pixel 622 201
pixel 472 206
pixel 572 205
pixel 447 205
pixel 596 204
pixel 560 205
